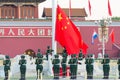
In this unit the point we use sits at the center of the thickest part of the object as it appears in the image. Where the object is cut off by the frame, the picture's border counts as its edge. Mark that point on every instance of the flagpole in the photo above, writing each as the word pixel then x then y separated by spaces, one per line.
pixel 54 5
pixel 69 9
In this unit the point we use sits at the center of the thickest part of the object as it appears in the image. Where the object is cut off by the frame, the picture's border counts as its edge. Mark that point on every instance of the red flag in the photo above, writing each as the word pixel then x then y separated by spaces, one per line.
pixel 84 48
pixel 89 6
pixel 67 33
pixel 109 9
pixel 112 36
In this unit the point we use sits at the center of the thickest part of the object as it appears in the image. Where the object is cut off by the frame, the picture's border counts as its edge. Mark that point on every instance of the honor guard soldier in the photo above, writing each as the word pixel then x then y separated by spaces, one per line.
pixel 49 51
pixel 87 60
pixel 64 63
pixel 39 66
pixel 118 62
pixel 7 64
pixel 106 67
pixel 22 63
pixel 73 66
pixel 80 56
pixel 56 66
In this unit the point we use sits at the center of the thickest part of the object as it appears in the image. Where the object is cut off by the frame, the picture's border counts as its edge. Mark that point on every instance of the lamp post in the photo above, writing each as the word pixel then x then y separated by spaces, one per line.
pixel 103 32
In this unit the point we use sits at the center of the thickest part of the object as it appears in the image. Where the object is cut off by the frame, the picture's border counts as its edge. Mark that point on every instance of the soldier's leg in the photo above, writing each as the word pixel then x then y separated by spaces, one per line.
pixel 6 74
pixel 119 74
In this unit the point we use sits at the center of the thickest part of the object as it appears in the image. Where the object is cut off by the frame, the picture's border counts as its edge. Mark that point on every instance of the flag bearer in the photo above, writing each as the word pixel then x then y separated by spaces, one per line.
pixel 7 64
pixel 106 66
pixel 39 66
pixel 56 66
pixel 22 63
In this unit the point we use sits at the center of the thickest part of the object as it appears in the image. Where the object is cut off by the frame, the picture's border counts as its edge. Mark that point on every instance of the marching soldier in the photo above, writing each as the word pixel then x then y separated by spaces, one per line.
pixel 63 63
pixel 56 66
pixel 39 66
pixel 119 67
pixel 22 64
pixel 7 64
pixel 49 51
pixel 106 67
pixel 73 66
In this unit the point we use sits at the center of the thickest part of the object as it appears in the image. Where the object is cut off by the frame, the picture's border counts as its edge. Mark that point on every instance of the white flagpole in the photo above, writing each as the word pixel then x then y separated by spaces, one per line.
pixel 54 5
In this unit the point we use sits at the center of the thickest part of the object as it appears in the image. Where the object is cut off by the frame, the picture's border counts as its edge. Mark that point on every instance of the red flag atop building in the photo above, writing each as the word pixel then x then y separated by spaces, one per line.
pixel 89 6
pixel 112 36
pixel 84 48
pixel 66 33
pixel 109 9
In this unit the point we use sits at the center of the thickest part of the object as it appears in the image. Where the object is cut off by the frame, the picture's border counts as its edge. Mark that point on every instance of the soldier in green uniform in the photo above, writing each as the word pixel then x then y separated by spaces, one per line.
pixel 22 63
pixel 118 62
pixel 91 67
pixel 56 66
pixel 87 60
pixel 80 56
pixel 39 66
pixel 63 63
pixel 73 66
pixel 7 64
pixel 106 67
pixel 49 51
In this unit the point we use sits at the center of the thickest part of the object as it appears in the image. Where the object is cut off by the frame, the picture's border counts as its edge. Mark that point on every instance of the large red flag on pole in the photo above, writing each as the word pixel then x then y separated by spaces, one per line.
pixel 67 33
pixel 89 6
pixel 109 9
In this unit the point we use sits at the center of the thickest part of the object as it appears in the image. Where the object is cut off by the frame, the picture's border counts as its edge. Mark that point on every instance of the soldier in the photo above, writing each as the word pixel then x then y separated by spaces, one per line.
pixel 63 63
pixel 39 66
pixel 106 67
pixel 22 64
pixel 91 66
pixel 87 60
pixel 56 66
pixel 118 62
pixel 49 51
pixel 7 64
pixel 73 66
pixel 80 56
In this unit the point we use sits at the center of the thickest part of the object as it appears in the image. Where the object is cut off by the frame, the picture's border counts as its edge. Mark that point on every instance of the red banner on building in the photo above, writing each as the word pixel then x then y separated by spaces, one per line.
pixel 25 31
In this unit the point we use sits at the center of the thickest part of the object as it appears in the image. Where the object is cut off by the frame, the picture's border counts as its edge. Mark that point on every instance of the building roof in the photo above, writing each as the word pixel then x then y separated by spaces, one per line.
pixel 75 12
pixel 7 1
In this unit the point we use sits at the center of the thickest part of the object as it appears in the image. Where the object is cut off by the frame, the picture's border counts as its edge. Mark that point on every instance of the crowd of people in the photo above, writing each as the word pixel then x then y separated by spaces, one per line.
pixel 73 64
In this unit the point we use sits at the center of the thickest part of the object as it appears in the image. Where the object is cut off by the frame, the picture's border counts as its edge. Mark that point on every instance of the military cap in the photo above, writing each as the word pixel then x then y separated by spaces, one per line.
pixel 105 55
pixel 48 47
pixel 56 56
pixel 74 55
pixel 38 50
pixel 22 56
pixel 7 57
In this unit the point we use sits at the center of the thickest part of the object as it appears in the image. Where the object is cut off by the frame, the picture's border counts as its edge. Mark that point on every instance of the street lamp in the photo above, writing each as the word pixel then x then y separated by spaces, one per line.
pixel 103 31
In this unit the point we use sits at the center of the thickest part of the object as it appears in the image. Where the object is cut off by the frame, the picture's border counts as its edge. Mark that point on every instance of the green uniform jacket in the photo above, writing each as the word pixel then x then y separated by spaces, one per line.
pixel 7 64
pixel 22 64
pixel 56 65
pixel 39 65
pixel 106 67
pixel 118 64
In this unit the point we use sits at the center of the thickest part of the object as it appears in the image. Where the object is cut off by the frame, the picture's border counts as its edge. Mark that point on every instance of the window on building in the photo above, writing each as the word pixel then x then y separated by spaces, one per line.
pixel 8 11
pixel 27 11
